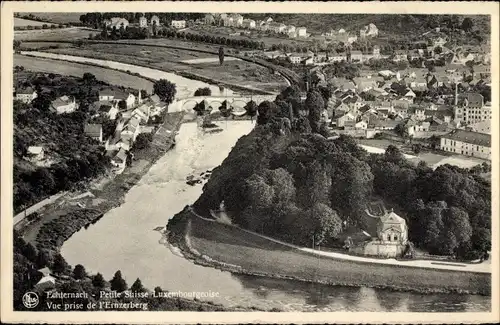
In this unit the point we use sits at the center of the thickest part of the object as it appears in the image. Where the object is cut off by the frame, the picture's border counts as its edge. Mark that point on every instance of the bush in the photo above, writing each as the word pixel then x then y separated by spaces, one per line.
pixel 203 92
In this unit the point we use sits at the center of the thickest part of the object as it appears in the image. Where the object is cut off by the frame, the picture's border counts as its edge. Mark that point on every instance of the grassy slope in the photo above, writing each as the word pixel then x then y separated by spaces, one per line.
pixel 74 69
pixel 58 17
pixel 257 255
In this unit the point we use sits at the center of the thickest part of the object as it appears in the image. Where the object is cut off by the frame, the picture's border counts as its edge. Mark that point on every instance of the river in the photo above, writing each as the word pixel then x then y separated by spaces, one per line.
pixel 185 86
pixel 124 239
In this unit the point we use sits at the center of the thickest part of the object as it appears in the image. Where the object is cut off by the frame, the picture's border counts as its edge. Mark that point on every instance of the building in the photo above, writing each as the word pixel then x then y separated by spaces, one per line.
pixel 47 282
pixel 356 56
pixel 209 19
pixel 155 21
pixel 277 28
pixel 400 55
pixel 142 112
pixel 178 24
pixel 129 98
pixel 26 95
pixel 119 161
pixel 472 109
pixel 248 24
pixel 106 94
pixel 301 32
pixel 116 22
pixel 467 143
pixel 143 22
pixel 391 238
pixel 233 20
pixel 439 41
pixel 64 105
pixel 290 29
pixel 295 58
pixel 35 154
pixel 93 131
pixel 369 31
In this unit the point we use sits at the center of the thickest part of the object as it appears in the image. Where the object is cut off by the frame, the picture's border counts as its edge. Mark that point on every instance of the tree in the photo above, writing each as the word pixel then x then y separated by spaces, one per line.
pixel 467 24
pixel 17 44
pixel 203 92
pixel 98 281
pixel 315 105
pixel 326 223
pixel 79 272
pixel 137 286
pixel 221 55
pixel 267 110
pixel 30 252
pixel 251 109
pixel 59 265
pixel 165 90
pixel 143 141
pixel 118 284
pixel 457 221
pixel 122 105
pixel 89 78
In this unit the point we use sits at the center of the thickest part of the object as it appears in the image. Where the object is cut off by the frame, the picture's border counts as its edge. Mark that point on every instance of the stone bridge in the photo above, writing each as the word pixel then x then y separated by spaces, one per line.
pixel 238 102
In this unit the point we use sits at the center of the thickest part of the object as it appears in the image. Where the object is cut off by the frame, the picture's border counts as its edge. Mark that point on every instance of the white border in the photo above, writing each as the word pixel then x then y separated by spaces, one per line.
pixel 414 7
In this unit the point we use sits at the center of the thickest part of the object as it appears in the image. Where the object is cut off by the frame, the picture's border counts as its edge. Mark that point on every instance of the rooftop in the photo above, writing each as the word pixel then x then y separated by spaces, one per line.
pixel 476 138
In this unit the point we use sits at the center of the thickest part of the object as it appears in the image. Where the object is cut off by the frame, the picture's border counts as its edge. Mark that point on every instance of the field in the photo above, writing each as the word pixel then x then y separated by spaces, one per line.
pixel 74 69
pixel 258 255
pixel 64 34
pixel 20 22
pixel 432 158
pixel 58 17
pixel 232 72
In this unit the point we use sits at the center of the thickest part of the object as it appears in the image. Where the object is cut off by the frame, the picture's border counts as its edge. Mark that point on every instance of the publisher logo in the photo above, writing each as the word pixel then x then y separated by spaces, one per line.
pixel 30 300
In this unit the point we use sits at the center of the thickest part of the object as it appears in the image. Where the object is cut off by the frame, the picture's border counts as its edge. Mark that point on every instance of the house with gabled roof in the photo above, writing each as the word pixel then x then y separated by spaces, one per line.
pixel 26 95
pixel 64 105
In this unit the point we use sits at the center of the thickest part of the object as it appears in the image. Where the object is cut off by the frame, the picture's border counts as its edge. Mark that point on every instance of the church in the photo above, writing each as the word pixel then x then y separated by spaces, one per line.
pixel 390 241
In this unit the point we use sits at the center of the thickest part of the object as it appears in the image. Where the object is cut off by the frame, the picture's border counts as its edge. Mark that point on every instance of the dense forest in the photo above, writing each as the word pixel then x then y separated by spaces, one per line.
pixel 287 180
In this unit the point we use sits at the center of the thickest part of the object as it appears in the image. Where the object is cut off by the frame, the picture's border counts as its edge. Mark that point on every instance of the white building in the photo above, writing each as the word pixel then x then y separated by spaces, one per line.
pixel 26 95
pixel 93 131
pixel 143 22
pixel 155 21
pixel 116 22
pixel 369 31
pixel 248 23
pixel 64 105
pixel 35 153
pixel 179 24
pixel 301 32
pixel 467 143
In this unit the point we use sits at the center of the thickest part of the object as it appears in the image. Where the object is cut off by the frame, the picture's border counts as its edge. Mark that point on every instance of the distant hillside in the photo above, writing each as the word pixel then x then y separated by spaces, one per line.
pixel 388 24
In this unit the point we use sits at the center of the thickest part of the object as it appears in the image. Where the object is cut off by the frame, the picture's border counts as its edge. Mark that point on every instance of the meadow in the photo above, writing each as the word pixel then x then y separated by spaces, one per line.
pixel 256 255
pixel 75 69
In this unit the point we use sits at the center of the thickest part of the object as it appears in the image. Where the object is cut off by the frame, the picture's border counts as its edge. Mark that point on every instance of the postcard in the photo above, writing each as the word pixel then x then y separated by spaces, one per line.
pixel 255 162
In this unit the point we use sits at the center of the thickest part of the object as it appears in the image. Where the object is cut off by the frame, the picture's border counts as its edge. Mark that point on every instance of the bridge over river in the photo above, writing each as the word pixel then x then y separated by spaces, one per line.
pixel 237 102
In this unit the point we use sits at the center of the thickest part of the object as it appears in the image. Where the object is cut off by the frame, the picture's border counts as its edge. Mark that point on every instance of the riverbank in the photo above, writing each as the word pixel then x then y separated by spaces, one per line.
pixel 212 74
pixel 231 249
pixel 111 194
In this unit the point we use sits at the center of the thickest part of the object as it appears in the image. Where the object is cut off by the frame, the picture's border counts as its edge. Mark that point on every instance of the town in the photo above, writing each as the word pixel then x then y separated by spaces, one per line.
pixel 358 139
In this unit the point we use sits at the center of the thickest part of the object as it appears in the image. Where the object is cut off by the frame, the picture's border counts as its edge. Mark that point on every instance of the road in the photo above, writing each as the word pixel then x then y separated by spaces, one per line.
pixel 484 267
